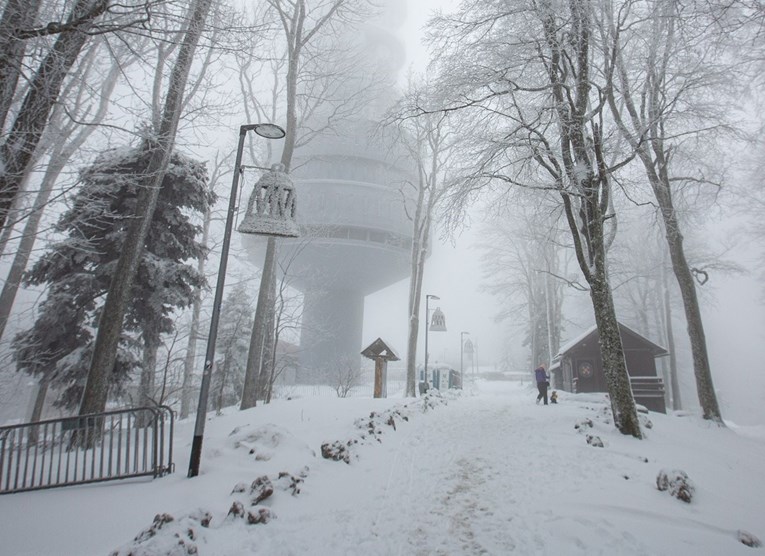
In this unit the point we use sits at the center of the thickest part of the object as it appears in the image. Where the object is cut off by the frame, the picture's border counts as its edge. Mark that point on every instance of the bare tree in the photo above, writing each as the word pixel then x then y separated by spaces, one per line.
pixel 551 129
pixel 64 144
pixel 18 146
pixel 524 271
pixel 651 93
pixel 110 324
pixel 196 306
pixel 426 140
pixel 346 376
pixel 302 22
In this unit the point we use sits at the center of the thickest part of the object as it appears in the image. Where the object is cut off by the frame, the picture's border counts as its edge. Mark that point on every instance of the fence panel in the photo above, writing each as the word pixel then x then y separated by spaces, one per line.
pixel 86 449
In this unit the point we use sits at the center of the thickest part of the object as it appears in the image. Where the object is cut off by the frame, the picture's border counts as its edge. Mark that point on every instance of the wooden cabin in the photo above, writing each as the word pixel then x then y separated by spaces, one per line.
pixel 578 367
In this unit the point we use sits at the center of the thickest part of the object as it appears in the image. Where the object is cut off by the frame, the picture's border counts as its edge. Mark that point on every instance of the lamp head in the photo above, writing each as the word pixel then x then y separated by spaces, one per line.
pixel 270 131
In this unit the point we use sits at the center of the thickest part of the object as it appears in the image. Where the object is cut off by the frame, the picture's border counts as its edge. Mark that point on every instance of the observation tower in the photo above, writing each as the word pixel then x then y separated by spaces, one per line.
pixel 356 236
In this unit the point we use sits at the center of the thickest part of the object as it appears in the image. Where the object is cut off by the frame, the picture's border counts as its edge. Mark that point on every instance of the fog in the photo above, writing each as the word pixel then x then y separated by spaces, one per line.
pixel 732 304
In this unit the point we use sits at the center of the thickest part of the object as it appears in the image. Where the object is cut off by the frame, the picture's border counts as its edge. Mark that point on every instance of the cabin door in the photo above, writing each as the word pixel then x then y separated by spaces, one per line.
pixel 585 374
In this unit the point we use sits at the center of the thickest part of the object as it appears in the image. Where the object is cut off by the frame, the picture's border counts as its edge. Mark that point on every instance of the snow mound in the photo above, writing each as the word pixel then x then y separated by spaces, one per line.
pixel 266 441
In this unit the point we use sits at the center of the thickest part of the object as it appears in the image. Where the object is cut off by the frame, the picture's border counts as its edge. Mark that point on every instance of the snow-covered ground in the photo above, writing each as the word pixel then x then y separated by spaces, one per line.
pixel 486 471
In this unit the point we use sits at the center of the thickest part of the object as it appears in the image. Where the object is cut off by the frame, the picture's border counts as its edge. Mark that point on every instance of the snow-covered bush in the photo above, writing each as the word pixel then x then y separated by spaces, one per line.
pixel 677 483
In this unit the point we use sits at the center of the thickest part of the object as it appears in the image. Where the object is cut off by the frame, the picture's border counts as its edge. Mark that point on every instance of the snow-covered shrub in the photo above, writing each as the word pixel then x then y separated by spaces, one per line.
pixel 260 489
pixel 288 481
pixel 337 451
pixel 580 426
pixel 253 517
pixel 745 537
pixel 266 441
pixel 677 483
pixel 373 424
pixel 594 441
pixel 260 515
pixel 167 536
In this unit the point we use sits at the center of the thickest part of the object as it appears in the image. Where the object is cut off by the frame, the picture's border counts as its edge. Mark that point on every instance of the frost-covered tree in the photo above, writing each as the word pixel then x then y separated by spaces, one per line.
pixel 232 344
pixel 79 269
pixel 665 67
pixel 524 268
pixel 85 18
pixel 426 139
pixel 159 154
pixel 524 73
pixel 312 84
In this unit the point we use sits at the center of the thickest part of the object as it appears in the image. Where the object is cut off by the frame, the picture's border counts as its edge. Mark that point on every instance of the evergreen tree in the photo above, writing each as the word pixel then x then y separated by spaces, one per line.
pixel 78 270
pixel 232 345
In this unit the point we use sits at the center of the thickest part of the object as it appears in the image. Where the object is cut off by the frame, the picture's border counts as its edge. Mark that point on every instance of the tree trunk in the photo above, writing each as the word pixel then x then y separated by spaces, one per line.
pixel 18 14
pixel 259 333
pixel 701 367
pixel 677 402
pixel 59 157
pixel 37 409
pixel 587 180
pixel 42 393
pixel 222 374
pixel 269 344
pixel 647 136
pixel 196 308
pixel 148 370
pixel 415 295
pixel 18 148
pixel 614 365
pixel 110 323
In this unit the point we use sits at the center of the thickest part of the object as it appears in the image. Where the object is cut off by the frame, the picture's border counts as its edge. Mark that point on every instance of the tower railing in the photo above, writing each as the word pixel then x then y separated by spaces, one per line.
pixel 106 446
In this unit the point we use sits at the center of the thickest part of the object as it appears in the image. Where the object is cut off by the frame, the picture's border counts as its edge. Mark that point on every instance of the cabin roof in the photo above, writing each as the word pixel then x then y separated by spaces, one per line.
pixel 624 330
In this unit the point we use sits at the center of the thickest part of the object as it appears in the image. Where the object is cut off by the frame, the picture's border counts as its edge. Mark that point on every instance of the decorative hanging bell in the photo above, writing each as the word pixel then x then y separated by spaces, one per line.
pixel 438 322
pixel 271 210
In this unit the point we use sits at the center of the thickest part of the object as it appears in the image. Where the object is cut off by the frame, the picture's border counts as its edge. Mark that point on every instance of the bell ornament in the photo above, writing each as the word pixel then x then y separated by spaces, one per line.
pixel 271 209
pixel 438 322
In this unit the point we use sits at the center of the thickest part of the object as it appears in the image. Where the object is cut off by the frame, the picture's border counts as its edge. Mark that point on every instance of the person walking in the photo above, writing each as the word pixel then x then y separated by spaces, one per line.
pixel 543 381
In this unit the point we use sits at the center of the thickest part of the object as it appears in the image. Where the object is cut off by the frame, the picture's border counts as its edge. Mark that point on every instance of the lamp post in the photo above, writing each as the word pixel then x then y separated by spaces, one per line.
pixel 269 131
pixel 439 326
pixel 462 345
pixel 470 350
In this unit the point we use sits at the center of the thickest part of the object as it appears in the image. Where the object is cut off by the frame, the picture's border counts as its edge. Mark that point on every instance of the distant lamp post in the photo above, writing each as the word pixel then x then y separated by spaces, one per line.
pixel 462 345
pixel 438 324
pixel 271 211
pixel 470 350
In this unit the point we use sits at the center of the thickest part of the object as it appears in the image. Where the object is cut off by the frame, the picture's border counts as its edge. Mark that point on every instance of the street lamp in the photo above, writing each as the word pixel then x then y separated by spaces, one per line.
pixel 438 325
pixel 470 350
pixel 462 345
pixel 268 131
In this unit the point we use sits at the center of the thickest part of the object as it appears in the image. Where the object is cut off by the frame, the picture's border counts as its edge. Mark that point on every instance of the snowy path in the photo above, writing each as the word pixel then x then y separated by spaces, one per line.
pixel 472 478
pixel 488 473
pixel 483 476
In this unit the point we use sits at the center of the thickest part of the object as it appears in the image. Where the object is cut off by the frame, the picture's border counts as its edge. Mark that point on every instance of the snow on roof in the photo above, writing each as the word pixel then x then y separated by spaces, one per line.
pixel 658 350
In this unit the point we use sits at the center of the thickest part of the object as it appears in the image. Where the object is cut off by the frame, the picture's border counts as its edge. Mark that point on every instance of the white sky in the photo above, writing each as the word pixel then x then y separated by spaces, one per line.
pixel 488 472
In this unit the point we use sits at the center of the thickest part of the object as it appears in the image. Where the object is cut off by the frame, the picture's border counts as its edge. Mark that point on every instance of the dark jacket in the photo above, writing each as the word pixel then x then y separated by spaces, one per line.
pixel 540 374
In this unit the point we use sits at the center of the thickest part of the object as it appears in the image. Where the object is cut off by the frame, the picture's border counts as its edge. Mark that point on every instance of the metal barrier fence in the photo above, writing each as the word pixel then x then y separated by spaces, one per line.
pixel 105 446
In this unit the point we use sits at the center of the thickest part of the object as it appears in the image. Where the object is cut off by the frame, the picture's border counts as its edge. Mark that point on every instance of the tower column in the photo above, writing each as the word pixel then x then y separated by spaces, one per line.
pixel 331 334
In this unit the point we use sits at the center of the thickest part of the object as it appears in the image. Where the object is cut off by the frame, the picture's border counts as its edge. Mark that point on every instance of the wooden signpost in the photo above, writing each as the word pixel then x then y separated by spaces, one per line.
pixel 381 353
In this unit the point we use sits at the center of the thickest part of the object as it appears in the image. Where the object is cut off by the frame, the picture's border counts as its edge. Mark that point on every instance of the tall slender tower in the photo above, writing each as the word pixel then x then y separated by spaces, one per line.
pixel 350 205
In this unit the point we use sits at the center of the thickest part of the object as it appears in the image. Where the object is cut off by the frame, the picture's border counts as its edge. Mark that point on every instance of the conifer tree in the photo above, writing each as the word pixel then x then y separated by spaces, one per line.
pixel 79 268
